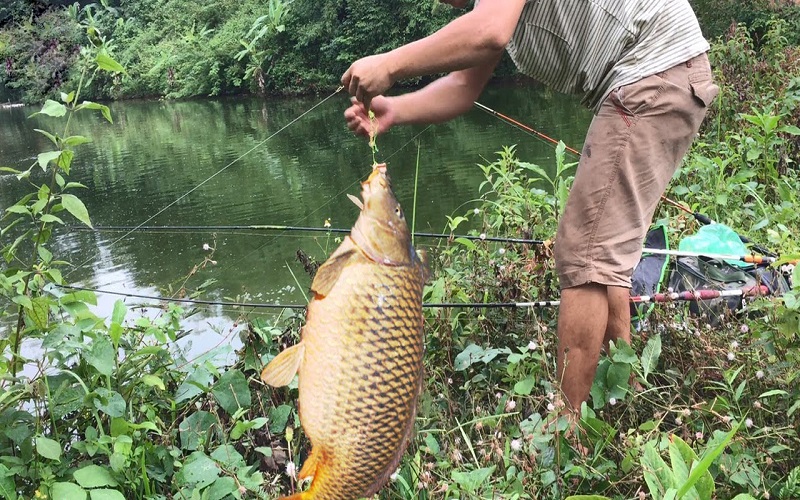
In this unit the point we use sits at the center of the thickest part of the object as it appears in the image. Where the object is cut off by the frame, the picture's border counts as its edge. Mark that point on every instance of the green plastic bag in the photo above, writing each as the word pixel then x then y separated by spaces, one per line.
pixel 716 239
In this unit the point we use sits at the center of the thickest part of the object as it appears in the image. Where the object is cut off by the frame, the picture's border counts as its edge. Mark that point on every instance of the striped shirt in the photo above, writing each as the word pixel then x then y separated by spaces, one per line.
pixel 591 47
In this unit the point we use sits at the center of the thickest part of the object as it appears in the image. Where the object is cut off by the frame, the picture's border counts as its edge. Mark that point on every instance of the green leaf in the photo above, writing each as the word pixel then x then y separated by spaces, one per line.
pixel 705 463
pixel 93 105
pixel 48 448
pixel 94 476
pixel 76 207
pixel 8 488
pixel 657 474
pixel 120 310
pixel 194 428
pixel 790 129
pixel 52 108
pixel 101 355
pixel 650 355
pixel 467 243
pixel 232 392
pixel 45 158
pixel 241 427
pixel 153 381
pixel 773 392
pixel 67 491
pixel 109 402
pixel 107 63
pixel 223 487
pixel 196 383
pixel 47 134
pixel 105 494
pixel 198 470
pixel 587 497
pixel 470 481
pixel 68 98
pixel 76 140
pixel 525 386
pixel 50 219
pixel 278 418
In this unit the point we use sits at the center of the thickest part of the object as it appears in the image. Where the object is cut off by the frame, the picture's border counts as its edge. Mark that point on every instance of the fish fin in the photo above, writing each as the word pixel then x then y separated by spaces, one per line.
pixel 425 264
pixel 282 369
pixel 355 200
pixel 329 272
pixel 310 466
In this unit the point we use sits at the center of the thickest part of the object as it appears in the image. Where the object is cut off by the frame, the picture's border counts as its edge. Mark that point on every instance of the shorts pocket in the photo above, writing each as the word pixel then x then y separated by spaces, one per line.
pixel 703 88
pixel 637 97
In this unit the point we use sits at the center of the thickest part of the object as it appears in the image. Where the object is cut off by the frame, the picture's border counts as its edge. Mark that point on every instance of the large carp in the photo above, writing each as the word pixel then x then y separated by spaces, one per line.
pixel 359 359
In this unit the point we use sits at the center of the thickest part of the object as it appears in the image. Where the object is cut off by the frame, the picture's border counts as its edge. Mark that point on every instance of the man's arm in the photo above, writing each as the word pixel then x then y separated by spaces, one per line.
pixel 474 39
pixel 439 101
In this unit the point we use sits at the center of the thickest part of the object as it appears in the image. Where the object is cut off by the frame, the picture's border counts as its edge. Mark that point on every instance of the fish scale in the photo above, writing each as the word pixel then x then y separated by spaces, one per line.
pixel 360 357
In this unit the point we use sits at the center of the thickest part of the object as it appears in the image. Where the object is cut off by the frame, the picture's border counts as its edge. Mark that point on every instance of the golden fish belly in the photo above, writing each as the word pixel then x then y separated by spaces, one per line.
pixel 360 376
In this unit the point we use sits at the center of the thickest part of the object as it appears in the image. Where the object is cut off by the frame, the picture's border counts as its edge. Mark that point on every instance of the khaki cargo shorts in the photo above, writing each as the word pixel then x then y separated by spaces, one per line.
pixel 634 145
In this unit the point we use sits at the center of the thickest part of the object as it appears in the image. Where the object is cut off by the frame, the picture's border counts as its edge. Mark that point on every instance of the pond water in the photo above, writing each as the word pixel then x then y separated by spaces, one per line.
pixel 163 163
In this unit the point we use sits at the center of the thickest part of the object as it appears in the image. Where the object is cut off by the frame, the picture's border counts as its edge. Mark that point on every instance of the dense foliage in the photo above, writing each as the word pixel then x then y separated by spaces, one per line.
pixel 181 48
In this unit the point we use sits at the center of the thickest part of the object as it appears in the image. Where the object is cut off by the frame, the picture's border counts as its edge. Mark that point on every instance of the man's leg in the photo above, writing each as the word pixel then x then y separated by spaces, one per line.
pixel 589 315
pixel 582 323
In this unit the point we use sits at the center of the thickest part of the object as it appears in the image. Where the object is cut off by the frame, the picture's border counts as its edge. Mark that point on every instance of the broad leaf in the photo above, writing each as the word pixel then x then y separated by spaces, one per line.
pixel 107 63
pixel 198 470
pixel 67 491
pixel 94 476
pixel 650 355
pixel 45 158
pixel 76 207
pixel 52 108
pixel 232 392
pixel 470 481
pixel 48 448
pixel 105 494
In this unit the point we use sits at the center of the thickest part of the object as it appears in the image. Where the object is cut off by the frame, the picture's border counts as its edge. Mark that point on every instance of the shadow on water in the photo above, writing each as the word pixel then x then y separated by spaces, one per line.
pixel 156 152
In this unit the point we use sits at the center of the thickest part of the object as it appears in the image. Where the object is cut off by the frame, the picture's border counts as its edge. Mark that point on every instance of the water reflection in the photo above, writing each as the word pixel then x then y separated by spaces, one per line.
pixel 159 154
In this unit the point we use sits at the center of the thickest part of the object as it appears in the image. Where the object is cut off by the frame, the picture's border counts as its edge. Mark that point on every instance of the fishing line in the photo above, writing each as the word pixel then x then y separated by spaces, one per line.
pixel 322 206
pixel 208 179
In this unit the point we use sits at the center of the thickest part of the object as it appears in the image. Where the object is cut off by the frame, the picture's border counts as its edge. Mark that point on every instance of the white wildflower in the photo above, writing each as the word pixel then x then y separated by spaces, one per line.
pixel 698 435
pixel 291 469
pixel 760 374
pixel 678 420
pixel 748 422
pixel 482 236
pixel 516 444
pixel 731 356
pixel 510 405
pixel 532 346
pixel 501 251
pixel 476 211
pixel 206 247
pixel 744 329
pixel 612 401
pixel 686 412
pixel 550 407
pixel 394 475
pixel 734 345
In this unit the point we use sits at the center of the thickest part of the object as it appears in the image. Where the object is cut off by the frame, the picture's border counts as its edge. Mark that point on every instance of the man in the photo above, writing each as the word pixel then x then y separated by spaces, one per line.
pixel 641 65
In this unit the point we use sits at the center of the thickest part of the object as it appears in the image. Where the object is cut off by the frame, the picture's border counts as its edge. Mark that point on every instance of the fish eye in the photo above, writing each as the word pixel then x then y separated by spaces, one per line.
pixel 398 211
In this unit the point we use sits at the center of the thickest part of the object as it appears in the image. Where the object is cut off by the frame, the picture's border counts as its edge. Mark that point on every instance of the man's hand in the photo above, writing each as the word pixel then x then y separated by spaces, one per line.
pixel 368 77
pixel 357 117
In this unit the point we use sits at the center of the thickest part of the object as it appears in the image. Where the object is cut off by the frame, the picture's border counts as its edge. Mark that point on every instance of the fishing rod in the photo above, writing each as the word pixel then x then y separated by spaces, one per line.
pixel 703 219
pixel 659 298
pixel 750 259
pixel 273 227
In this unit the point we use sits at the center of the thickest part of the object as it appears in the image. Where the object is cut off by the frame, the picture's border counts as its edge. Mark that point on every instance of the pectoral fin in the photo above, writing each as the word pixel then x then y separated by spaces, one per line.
pixel 281 370
pixel 329 272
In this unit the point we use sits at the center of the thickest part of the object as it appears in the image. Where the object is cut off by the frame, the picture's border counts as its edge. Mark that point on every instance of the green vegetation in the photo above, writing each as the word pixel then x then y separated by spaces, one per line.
pixel 112 409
